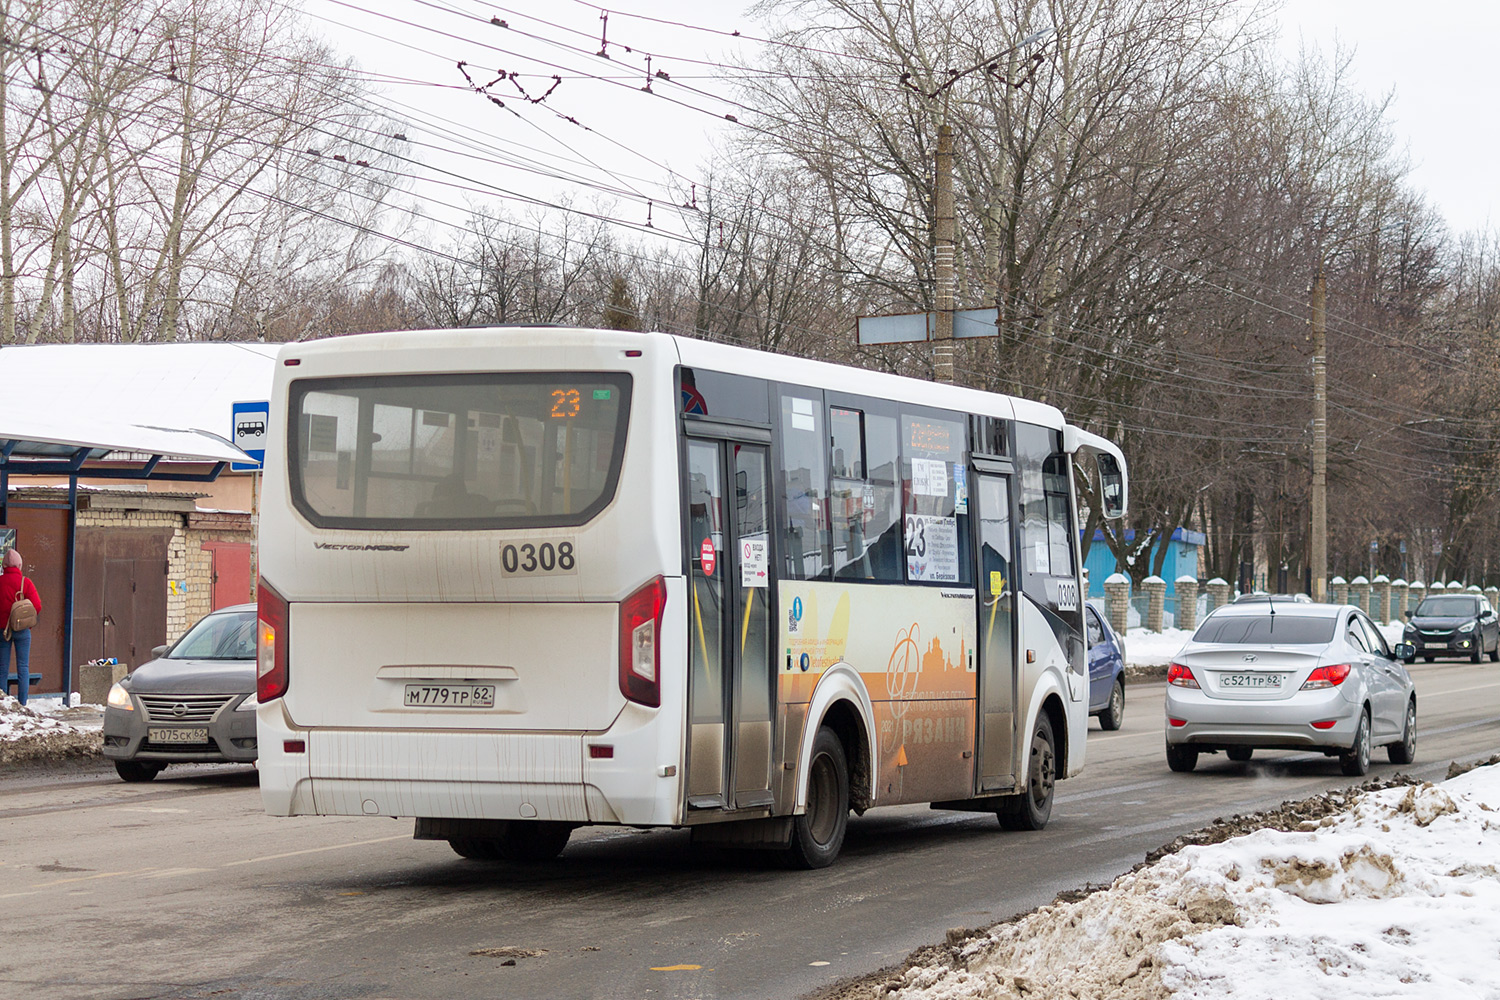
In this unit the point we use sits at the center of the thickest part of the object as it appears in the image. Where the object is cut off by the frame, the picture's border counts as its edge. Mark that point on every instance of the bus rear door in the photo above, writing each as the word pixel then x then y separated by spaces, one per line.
pixel 727 508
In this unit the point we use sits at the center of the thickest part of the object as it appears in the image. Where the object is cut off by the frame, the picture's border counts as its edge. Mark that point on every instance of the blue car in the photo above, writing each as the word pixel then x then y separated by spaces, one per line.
pixel 1106 670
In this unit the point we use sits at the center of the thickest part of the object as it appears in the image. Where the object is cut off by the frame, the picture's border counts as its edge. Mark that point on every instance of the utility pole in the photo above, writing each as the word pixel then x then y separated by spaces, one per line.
pixel 943 271
pixel 1320 439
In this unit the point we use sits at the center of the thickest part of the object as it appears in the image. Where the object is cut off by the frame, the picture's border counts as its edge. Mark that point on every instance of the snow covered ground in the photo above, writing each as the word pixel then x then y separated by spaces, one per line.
pixel 35 730
pixel 1395 898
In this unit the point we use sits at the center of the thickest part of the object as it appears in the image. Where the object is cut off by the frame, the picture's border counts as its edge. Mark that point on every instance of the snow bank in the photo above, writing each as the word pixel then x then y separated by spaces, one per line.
pixel 26 734
pixel 1154 649
pixel 1396 898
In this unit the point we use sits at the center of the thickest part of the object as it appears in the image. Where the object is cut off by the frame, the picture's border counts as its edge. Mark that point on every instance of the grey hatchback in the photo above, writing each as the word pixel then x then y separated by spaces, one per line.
pixel 194 702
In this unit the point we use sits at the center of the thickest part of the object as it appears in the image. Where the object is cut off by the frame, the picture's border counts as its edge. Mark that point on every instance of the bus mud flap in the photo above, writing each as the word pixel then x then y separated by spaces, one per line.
pixel 767 834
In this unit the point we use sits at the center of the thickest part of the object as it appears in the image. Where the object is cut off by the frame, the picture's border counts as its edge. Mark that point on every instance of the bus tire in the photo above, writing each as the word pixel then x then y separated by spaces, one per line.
pixel 818 834
pixel 523 840
pixel 1031 809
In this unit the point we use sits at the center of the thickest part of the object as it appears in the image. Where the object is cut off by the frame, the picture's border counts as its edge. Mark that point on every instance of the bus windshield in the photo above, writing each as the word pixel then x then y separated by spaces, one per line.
pixel 416 452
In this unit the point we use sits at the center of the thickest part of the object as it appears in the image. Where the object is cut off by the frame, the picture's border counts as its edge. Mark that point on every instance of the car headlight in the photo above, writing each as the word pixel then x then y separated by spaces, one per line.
pixel 120 698
pixel 1409 630
pixel 250 704
pixel 1467 627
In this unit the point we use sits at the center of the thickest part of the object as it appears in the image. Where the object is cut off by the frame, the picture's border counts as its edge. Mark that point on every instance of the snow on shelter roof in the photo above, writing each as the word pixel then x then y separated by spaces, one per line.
pixel 171 400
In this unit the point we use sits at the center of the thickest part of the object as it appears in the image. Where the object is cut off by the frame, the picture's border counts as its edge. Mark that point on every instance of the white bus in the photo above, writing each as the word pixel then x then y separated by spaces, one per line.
pixel 515 581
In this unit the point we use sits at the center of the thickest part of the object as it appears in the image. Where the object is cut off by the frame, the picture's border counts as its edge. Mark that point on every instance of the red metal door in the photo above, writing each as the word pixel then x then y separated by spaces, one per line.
pixel 231 572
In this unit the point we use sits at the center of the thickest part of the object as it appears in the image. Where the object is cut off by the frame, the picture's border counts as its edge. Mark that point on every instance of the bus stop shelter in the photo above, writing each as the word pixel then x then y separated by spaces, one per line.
pixel 48 444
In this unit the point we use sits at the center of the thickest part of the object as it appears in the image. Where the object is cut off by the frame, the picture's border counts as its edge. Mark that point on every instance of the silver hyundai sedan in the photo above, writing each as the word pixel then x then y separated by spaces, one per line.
pixel 1290 677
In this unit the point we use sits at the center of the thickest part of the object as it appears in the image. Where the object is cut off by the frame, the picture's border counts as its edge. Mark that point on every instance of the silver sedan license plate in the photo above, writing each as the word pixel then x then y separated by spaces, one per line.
pixel 1251 681
pixel 195 735
pixel 450 695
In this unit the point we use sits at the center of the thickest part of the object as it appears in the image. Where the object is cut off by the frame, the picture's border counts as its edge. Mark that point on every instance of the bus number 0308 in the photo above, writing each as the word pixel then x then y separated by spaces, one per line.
pixel 533 558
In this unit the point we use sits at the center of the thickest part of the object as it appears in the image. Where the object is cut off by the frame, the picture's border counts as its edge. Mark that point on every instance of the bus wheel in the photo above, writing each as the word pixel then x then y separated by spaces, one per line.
pixel 523 840
pixel 818 833
pixel 1032 808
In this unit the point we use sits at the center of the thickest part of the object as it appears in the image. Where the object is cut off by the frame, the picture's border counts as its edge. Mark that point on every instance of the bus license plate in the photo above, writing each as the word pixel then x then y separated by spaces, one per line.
pixel 198 735
pixel 1252 680
pixel 450 695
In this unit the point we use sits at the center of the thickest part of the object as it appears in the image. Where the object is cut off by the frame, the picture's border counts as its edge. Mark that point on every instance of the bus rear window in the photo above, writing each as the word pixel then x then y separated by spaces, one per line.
pixel 422 452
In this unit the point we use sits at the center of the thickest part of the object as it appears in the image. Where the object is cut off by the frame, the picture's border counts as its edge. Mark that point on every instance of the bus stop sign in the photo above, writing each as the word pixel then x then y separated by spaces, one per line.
pixel 247 426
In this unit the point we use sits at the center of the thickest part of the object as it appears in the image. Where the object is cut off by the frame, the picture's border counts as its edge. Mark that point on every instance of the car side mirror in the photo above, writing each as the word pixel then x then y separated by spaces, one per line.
pixel 1405 651
pixel 157 652
pixel 1406 613
pixel 1486 614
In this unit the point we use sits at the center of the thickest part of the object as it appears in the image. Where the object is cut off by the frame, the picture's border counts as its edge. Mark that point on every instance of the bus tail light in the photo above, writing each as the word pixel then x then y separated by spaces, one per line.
pixel 270 643
pixel 640 643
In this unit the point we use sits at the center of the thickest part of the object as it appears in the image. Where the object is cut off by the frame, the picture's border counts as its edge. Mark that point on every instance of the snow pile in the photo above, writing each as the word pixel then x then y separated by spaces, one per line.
pixel 26 734
pixel 1154 649
pixel 1395 898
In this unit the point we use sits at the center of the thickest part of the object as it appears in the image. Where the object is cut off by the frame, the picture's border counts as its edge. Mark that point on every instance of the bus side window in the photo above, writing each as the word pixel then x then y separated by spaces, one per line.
pixel 866 512
pixel 804 475
pixel 935 493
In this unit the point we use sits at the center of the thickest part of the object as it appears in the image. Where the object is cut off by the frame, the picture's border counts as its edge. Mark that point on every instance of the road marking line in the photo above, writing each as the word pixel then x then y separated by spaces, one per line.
pixel 1124 736
pixel 13 895
pixel 1477 687
pixel 90 878
pixel 318 850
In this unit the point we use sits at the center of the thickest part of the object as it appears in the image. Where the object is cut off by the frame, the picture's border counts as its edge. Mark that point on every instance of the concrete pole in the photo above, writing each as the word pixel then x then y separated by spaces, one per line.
pixel 944 233
pixel 1320 440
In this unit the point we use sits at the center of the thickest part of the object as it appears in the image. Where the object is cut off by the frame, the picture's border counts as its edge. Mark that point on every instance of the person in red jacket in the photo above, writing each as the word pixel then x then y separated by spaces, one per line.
pixel 13 584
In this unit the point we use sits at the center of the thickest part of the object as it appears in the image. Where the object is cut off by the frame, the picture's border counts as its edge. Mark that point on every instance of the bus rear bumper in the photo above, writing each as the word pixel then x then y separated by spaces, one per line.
pixel 466 775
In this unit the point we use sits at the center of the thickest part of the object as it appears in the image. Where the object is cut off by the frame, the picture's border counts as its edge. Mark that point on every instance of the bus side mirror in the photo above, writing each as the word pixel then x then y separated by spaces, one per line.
pixel 1111 486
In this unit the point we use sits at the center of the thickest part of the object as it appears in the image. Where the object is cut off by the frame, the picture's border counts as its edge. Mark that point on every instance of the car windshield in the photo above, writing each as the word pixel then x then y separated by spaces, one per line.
pixel 1280 629
pixel 1449 607
pixel 226 636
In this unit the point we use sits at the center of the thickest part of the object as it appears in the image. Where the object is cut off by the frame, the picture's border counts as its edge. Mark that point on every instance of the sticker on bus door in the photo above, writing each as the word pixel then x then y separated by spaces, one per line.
pixel 706 556
pixel 755 562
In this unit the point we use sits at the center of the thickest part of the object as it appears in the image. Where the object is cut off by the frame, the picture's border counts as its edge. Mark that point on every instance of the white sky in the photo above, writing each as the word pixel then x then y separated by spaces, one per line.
pixel 1436 56
pixel 1439 57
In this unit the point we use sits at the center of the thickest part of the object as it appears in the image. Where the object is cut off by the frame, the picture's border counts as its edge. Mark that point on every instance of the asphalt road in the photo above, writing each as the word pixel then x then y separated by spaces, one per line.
pixel 183 889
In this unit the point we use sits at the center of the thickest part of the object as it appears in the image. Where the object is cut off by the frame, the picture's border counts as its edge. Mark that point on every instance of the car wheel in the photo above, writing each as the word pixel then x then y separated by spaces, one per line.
pixel 1032 808
pixel 1114 713
pixel 818 834
pixel 1406 751
pixel 134 770
pixel 1428 659
pixel 1478 653
pixel 1240 754
pixel 1181 758
pixel 1356 760
pixel 1495 653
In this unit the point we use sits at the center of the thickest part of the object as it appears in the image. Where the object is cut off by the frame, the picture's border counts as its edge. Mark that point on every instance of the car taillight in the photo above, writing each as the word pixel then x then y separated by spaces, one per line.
pixel 640 643
pixel 1326 677
pixel 270 643
pixel 1181 676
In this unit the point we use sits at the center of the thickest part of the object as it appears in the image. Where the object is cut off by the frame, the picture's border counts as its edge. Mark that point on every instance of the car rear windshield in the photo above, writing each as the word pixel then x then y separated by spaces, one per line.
pixel 1280 629
pixel 421 452
pixel 1449 607
pixel 226 636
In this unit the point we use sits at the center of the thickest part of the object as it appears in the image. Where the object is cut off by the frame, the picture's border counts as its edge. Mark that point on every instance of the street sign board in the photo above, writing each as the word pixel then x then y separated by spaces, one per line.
pixel 248 431
pixel 909 328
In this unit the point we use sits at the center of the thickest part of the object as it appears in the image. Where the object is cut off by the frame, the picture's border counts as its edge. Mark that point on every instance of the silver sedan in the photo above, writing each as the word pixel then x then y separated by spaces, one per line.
pixel 1290 677
pixel 194 702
